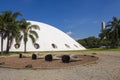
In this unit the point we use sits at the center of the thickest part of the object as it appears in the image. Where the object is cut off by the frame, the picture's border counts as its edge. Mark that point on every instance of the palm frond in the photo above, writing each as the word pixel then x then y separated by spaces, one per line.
pixel 16 14
pixel 32 38
pixel 34 27
pixel 18 38
pixel 23 24
pixel 34 33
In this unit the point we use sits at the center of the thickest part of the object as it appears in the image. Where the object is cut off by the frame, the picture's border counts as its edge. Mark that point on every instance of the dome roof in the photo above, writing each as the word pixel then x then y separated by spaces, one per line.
pixel 50 39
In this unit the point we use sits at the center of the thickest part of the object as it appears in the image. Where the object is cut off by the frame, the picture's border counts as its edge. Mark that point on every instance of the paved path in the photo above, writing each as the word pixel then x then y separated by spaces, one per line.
pixel 106 68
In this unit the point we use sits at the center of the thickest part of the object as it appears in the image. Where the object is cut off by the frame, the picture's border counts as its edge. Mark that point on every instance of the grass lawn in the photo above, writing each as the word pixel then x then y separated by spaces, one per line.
pixel 104 49
pixel 88 50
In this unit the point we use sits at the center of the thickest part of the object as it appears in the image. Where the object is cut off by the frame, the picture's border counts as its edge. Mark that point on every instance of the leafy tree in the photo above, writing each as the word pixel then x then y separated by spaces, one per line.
pixel 82 42
pixel 90 42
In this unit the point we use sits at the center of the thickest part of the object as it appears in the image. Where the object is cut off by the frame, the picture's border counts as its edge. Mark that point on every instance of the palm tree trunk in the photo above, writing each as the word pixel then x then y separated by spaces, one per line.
pixel 25 47
pixel 2 43
pixel 8 42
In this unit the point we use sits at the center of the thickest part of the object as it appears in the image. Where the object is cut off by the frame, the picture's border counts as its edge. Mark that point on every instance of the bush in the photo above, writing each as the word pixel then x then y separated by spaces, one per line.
pixel 20 56
pixel 65 58
pixel 48 57
pixel 34 56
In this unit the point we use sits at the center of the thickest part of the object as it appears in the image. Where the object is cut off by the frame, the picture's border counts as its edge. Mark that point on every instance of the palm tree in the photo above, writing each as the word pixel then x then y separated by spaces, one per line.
pixel 105 38
pixel 28 32
pixel 112 32
pixel 11 27
pixel 1 33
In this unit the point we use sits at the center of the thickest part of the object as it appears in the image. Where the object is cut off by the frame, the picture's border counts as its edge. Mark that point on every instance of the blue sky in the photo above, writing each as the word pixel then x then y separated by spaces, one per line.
pixel 79 18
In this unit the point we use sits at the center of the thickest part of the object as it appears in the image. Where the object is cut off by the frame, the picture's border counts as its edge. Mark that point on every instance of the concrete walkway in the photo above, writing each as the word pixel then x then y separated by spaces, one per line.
pixel 106 68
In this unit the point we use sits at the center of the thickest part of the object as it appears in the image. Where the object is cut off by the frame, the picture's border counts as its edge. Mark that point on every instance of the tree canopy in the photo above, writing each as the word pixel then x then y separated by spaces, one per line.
pixel 110 36
pixel 11 28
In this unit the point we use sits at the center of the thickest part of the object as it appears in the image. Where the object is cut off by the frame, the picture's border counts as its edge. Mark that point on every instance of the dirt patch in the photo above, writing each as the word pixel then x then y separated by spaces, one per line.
pixel 16 62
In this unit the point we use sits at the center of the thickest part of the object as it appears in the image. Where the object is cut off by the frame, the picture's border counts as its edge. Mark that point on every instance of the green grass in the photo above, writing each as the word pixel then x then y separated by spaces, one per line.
pixel 88 50
pixel 104 49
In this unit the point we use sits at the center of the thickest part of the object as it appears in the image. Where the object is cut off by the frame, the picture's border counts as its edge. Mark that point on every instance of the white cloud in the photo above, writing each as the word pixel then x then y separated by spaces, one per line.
pixel 69 33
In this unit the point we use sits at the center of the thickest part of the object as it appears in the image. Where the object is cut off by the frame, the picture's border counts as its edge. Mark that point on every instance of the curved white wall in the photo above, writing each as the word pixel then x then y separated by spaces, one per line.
pixel 49 35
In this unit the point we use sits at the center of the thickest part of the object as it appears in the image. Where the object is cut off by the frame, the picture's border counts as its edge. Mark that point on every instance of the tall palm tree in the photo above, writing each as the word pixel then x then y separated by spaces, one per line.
pixel 114 26
pixel 1 32
pixel 105 37
pixel 29 32
pixel 112 32
pixel 11 27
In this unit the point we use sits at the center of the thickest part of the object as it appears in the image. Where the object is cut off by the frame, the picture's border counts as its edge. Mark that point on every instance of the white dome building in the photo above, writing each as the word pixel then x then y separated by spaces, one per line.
pixel 50 39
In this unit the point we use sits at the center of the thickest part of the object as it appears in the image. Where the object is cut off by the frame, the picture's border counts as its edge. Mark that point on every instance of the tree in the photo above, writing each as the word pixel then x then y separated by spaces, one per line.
pixel 90 42
pixel 1 32
pixel 9 27
pixel 111 35
pixel 28 32
pixel 114 28
pixel 105 38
